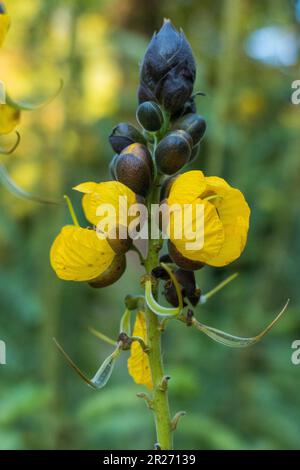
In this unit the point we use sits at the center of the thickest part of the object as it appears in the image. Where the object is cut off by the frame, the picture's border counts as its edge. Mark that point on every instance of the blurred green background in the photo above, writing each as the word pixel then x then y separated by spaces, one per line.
pixel 248 55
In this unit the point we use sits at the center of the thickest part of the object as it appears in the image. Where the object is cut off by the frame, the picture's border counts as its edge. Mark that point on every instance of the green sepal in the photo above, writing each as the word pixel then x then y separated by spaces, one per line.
pixel 236 341
pixel 25 106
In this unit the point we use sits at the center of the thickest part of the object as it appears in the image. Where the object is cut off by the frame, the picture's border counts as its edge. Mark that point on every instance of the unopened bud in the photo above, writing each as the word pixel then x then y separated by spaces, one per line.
pixel 173 152
pixel 194 125
pixel 149 116
pixel 123 135
pixel 112 274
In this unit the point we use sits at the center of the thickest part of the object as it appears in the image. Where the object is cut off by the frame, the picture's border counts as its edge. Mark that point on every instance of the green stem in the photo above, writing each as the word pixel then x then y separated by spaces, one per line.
pixel 160 394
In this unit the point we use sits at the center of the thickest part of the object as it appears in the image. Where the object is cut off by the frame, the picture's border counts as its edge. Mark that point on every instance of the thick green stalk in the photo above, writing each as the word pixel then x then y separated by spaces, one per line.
pixel 160 392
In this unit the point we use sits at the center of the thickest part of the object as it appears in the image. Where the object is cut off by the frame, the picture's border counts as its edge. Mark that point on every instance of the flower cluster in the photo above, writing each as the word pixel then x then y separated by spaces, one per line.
pixel 144 170
pixel 168 139
pixel 204 219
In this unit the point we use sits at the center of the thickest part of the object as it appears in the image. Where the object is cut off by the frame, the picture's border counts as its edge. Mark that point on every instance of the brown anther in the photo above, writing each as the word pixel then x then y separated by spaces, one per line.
pixel 125 341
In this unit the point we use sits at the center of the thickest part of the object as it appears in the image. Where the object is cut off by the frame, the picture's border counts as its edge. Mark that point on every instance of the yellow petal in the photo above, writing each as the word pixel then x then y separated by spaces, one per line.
pixel 9 118
pixel 216 183
pixel 109 192
pixel 138 362
pixel 209 227
pixel 4 26
pixel 78 254
pixel 234 214
pixel 187 187
pixel 87 188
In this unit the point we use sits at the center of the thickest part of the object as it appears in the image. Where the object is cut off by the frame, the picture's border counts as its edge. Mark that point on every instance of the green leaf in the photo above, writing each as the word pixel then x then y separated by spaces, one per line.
pixel 236 341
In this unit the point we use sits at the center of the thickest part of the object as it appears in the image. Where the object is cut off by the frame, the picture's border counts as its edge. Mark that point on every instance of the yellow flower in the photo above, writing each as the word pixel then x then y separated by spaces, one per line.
pixel 9 118
pixel 225 220
pixel 78 254
pixel 4 24
pixel 138 362
pixel 109 192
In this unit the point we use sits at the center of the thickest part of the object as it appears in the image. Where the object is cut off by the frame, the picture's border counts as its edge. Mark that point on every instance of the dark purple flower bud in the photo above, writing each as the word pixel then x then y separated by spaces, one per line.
pixel 112 274
pixel 168 69
pixel 188 107
pixel 134 168
pixel 173 152
pixel 2 8
pixel 193 124
pixel 123 135
pixel 187 283
pixel 142 152
pixel 149 116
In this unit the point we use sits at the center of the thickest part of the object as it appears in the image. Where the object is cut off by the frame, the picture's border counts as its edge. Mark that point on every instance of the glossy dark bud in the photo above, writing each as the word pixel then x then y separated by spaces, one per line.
pixel 187 283
pixel 173 152
pixel 133 172
pixel 168 69
pixel 2 8
pixel 171 294
pixel 188 107
pixel 149 116
pixel 123 135
pixel 112 274
pixel 119 240
pixel 160 273
pixel 194 125
pixel 181 261
pixel 142 152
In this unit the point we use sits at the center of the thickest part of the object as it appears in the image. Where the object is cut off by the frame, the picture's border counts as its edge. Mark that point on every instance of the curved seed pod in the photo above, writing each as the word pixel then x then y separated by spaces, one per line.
pixel 173 152
pixel 194 125
pixel 142 152
pixel 119 240
pixel 123 135
pixel 195 153
pixel 181 261
pixel 112 274
pixel 149 116
pixel 133 172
